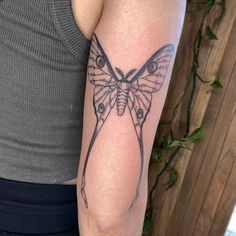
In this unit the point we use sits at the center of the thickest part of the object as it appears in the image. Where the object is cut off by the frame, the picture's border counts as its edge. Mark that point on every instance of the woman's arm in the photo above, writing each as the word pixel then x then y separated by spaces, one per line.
pixel 130 63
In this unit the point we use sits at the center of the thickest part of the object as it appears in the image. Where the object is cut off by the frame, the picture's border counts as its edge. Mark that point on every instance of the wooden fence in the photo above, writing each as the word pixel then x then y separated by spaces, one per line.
pixel 203 199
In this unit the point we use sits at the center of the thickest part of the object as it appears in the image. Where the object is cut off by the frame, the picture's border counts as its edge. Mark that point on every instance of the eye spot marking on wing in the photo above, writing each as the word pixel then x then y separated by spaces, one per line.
pixel 100 61
pixel 101 108
pixel 152 67
pixel 139 113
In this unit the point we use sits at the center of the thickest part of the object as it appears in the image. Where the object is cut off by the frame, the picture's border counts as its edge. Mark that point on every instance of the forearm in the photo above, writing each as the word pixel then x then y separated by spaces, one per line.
pixel 131 60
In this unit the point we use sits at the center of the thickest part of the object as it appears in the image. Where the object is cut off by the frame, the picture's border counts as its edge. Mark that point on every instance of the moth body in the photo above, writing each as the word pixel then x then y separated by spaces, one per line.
pixel 122 96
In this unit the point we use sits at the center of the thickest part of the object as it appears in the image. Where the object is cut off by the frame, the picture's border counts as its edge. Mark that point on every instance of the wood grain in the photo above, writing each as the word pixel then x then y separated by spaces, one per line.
pixel 192 206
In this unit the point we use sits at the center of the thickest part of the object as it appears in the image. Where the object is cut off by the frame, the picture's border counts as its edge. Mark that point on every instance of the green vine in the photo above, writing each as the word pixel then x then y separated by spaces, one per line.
pixel 168 148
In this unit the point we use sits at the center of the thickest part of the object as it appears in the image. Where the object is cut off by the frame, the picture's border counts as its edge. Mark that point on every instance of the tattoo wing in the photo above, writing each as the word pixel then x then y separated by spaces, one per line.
pixel 99 68
pixel 149 79
pixel 103 77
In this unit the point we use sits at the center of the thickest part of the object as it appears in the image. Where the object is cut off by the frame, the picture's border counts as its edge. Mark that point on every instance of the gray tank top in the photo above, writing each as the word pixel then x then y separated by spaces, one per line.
pixel 43 60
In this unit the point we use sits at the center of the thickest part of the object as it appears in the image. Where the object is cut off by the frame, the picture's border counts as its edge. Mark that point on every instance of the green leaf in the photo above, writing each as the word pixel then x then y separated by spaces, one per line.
pixel 209 34
pixel 194 66
pixel 196 136
pixel 166 141
pixel 216 83
pixel 178 143
pixel 147 226
pixel 157 154
pixel 174 176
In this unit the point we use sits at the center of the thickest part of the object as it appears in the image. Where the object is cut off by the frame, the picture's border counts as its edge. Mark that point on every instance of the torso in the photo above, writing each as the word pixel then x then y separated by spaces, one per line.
pixel 87 14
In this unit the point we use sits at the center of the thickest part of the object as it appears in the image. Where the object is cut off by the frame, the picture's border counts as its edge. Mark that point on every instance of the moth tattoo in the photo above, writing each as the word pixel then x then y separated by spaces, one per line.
pixel 132 91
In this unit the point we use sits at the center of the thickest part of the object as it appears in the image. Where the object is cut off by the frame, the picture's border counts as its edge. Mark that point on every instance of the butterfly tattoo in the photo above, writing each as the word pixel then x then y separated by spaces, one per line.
pixel 132 91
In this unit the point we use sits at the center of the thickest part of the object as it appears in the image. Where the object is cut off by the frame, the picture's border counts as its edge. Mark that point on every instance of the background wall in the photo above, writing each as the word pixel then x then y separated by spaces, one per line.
pixel 203 199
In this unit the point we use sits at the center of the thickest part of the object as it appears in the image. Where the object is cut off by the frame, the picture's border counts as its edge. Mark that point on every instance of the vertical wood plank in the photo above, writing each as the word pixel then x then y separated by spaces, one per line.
pixel 220 177
pixel 200 149
pixel 202 99
pixel 210 160
pixel 225 207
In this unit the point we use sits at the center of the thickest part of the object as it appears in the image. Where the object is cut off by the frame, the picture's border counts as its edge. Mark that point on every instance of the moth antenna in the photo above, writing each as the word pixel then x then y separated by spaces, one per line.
pixel 130 73
pixel 120 72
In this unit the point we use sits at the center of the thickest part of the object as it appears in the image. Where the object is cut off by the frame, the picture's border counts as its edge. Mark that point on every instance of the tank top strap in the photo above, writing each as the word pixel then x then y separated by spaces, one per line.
pixel 71 35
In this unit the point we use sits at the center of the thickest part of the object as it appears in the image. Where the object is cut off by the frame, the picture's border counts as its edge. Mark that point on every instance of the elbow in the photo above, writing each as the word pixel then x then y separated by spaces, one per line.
pixel 116 219
pixel 110 228
pixel 110 222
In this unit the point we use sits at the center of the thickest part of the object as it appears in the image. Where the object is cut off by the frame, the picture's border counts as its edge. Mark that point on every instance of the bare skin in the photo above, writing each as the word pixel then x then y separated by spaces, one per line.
pixel 129 69
pixel 87 14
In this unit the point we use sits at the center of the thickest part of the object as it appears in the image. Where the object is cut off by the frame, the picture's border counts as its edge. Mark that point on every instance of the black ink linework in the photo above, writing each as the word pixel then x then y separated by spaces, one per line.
pixel 131 90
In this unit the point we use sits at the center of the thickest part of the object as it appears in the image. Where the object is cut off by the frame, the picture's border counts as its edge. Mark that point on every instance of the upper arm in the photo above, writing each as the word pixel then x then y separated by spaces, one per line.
pixel 130 63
